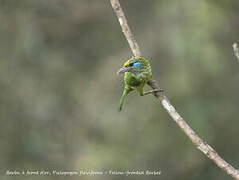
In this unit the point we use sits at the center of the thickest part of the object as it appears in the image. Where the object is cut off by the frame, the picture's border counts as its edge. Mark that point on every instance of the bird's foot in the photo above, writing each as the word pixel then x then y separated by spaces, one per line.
pixel 153 91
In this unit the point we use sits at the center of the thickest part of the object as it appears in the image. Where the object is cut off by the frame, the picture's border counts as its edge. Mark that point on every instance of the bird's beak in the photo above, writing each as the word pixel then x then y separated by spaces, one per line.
pixel 123 70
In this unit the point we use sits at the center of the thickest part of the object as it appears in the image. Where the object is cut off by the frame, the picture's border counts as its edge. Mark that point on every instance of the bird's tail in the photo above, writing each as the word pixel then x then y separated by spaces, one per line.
pixel 122 100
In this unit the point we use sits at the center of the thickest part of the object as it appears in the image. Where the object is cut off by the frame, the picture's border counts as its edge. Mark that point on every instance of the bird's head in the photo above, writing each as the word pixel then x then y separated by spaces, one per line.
pixel 133 65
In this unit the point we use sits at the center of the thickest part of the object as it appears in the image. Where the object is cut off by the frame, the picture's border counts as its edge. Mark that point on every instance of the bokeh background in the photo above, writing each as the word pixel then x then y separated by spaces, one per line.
pixel 60 92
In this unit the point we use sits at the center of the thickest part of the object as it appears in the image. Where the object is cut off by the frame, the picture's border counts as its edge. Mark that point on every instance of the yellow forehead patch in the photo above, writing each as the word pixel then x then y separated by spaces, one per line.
pixel 127 62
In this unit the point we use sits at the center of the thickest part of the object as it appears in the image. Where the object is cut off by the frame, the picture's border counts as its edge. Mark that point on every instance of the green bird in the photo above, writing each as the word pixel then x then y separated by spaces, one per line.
pixel 137 72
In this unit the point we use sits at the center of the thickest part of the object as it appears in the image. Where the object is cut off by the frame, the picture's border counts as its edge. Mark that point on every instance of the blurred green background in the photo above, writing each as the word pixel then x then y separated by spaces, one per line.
pixel 60 92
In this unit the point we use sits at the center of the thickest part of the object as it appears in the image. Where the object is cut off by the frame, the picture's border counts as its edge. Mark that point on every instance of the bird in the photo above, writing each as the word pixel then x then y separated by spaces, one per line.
pixel 137 72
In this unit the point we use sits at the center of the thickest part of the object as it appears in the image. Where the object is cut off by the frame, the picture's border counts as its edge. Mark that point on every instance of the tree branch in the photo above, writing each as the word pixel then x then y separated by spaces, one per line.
pixel 236 50
pixel 125 28
pixel 200 144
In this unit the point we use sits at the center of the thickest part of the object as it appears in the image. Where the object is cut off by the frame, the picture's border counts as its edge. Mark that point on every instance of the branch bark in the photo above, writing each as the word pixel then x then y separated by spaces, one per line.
pixel 236 50
pixel 199 143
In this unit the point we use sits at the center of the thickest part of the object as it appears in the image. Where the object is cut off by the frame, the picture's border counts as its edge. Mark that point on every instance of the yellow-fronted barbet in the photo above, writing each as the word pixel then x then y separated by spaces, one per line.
pixel 137 72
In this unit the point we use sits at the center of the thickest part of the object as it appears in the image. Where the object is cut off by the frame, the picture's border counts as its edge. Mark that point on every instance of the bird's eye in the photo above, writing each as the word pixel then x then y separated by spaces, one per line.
pixel 131 64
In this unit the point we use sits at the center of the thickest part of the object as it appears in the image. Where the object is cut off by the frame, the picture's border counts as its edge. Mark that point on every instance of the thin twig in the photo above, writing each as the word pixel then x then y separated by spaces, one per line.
pixel 125 28
pixel 200 144
pixel 236 50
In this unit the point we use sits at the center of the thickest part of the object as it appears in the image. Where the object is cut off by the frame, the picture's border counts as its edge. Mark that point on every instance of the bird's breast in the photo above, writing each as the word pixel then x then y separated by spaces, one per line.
pixel 131 80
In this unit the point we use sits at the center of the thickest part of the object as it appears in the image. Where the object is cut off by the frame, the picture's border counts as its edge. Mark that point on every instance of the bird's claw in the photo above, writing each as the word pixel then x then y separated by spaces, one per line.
pixel 153 91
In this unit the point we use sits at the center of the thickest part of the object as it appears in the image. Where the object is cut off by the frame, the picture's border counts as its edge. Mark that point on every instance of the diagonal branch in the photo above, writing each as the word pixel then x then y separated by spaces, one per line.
pixel 200 144
pixel 125 28
pixel 236 50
